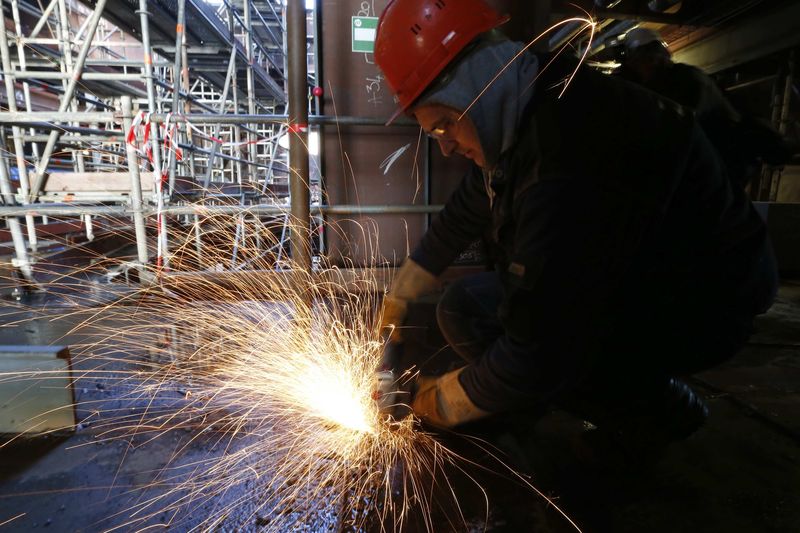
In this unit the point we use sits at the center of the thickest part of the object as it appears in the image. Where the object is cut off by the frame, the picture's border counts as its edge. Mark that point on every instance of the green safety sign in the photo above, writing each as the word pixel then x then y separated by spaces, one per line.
pixel 364 34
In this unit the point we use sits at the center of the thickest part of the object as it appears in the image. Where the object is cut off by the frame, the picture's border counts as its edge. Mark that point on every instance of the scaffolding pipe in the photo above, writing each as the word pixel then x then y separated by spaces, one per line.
pixel 20 249
pixel 66 65
pixel 180 29
pixel 19 151
pixel 136 185
pixel 277 18
pixel 235 16
pixel 148 77
pixel 88 76
pixel 20 117
pixel 77 129
pixel 275 40
pixel 67 99
pixel 185 96
pixel 196 149
pixel 237 130
pixel 26 88
pixel 275 145
pixel 314 120
pixel 259 209
pixel 223 99
pixel 299 190
pixel 251 87
pixel 77 139
pixel 79 97
pixel 42 20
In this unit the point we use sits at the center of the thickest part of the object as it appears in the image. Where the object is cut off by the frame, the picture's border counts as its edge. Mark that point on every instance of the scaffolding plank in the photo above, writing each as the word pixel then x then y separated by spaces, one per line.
pixel 106 182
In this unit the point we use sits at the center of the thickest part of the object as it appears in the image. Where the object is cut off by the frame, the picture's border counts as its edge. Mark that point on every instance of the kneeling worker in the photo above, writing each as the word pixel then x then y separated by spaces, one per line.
pixel 625 257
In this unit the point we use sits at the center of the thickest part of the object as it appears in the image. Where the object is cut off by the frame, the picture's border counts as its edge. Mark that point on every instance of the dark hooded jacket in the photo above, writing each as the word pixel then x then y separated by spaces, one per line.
pixel 609 193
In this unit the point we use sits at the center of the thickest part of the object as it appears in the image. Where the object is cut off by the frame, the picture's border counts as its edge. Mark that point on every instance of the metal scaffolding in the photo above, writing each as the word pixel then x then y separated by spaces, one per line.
pixel 153 114
pixel 97 96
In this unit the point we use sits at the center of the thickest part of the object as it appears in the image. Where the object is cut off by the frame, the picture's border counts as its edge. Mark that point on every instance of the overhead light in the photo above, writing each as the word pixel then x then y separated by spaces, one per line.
pixel 310 4
pixel 313 142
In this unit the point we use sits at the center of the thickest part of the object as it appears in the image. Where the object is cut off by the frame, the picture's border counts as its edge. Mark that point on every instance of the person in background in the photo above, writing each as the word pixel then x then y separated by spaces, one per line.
pixel 742 141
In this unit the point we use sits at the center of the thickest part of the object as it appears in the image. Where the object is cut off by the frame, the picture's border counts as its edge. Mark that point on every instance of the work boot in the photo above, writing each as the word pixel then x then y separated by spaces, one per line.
pixel 681 412
pixel 638 436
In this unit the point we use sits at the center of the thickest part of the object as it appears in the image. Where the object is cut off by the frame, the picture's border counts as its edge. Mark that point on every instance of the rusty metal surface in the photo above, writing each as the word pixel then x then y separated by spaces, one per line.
pixel 353 155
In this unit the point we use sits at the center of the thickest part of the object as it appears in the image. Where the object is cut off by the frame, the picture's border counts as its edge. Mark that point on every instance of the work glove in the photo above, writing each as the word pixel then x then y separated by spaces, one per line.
pixel 442 401
pixel 410 282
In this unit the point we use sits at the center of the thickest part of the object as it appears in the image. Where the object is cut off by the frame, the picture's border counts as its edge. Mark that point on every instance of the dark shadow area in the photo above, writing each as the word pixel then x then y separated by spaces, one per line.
pixel 18 454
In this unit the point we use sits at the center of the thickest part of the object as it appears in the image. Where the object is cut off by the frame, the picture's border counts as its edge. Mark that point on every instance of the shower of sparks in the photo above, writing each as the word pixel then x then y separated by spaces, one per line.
pixel 588 24
pixel 275 366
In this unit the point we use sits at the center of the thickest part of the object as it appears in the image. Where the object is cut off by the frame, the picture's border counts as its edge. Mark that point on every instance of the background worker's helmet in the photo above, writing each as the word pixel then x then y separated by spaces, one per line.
pixel 417 39
pixel 639 37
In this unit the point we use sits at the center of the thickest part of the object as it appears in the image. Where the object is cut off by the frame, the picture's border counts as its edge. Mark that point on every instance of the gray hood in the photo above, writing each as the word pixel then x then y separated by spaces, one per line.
pixel 498 111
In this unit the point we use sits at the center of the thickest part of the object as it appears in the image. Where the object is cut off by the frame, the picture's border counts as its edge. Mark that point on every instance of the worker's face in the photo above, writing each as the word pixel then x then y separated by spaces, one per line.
pixel 646 64
pixel 454 135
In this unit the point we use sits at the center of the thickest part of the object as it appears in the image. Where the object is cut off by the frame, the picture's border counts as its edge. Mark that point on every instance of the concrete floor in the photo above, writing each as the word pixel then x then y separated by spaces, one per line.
pixel 741 472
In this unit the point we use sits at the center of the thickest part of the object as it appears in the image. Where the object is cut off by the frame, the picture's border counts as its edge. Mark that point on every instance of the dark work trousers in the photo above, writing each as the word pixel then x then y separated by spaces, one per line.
pixel 628 376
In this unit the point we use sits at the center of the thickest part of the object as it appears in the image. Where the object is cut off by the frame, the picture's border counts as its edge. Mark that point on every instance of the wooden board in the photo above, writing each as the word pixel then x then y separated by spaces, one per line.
pixel 112 182
pixel 36 390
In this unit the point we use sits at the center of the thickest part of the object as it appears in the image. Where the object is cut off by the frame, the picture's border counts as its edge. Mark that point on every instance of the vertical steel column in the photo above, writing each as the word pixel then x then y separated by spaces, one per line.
pixel 188 135
pixel 242 170
pixel 320 219
pixel 14 226
pixel 62 27
pixel 251 90
pixel 298 134
pixel 148 75
pixel 136 184
pixel 180 29
pixel 237 130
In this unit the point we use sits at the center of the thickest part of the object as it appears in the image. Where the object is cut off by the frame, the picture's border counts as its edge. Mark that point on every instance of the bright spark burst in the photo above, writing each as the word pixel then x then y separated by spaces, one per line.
pixel 277 365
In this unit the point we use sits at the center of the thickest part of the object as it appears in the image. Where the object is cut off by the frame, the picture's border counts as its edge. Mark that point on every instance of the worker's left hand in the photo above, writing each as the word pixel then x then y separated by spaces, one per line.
pixel 410 282
pixel 442 401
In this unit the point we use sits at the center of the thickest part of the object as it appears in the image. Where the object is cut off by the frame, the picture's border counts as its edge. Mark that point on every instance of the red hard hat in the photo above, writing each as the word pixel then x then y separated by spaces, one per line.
pixel 416 39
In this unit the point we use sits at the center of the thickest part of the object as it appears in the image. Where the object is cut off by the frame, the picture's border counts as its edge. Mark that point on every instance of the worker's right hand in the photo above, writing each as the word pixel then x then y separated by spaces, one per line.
pixel 410 282
pixel 442 401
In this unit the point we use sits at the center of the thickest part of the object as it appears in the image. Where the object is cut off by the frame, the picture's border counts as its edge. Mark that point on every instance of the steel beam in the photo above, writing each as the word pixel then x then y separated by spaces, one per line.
pixel 136 185
pixel 88 76
pixel 298 134
pixel 323 120
pixel 251 87
pixel 22 117
pixel 197 209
